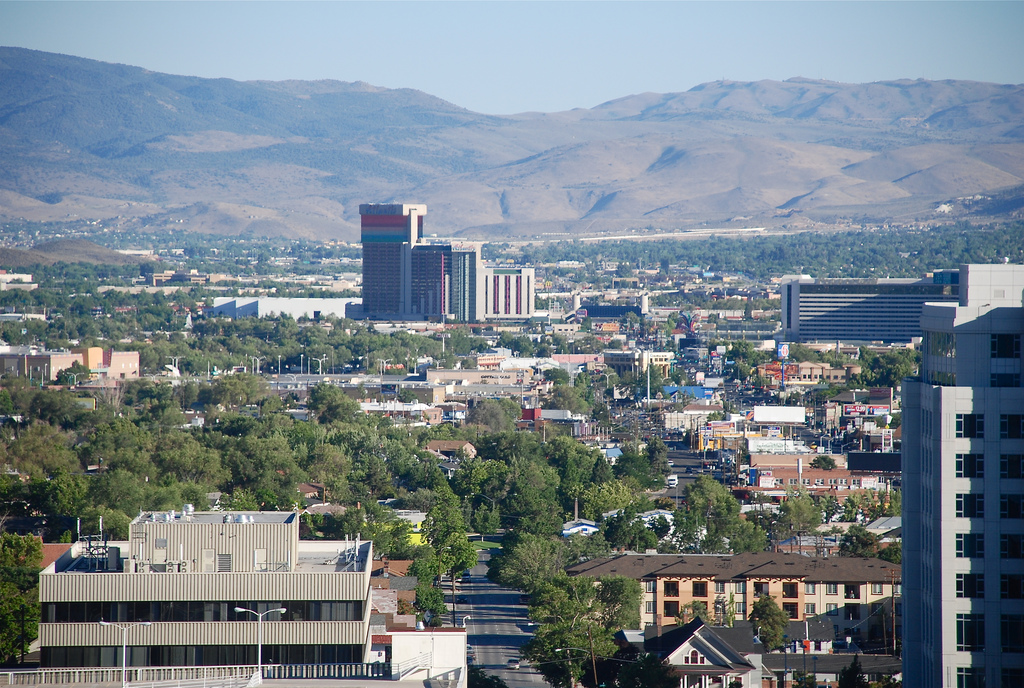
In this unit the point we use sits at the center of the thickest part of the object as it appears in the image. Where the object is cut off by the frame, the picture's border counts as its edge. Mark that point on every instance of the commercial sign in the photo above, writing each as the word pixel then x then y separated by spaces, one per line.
pixel 783 351
pixel 865 409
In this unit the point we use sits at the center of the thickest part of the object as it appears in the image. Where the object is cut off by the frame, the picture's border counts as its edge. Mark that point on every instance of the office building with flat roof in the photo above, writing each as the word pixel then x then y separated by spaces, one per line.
pixel 868 310
pixel 185 573
pixel 963 497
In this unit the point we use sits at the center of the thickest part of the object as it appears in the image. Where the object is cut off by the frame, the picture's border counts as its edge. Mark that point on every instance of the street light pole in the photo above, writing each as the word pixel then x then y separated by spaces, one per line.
pixel 124 646
pixel 259 634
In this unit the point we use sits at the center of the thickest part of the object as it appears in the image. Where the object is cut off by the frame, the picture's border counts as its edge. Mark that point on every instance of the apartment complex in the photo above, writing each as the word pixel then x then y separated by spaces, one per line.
pixel 857 596
pixel 963 504
pixel 185 573
pixel 885 310
pixel 405 278
pixel 43 364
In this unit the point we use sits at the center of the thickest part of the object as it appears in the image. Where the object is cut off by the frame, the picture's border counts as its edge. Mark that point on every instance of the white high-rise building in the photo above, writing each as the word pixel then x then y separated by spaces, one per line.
pixel 963 500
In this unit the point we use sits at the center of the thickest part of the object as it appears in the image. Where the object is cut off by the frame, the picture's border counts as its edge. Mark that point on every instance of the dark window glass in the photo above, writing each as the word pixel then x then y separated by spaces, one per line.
pixel 970 466
pixel 970 585
pixel 970 425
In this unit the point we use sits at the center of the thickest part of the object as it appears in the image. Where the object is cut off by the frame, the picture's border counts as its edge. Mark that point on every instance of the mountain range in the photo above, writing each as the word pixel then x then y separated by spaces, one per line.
pixel 128 148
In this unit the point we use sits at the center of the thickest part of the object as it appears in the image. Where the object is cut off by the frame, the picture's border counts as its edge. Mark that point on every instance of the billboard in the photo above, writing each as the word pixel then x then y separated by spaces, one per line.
pixel 780 414
pixel 865 409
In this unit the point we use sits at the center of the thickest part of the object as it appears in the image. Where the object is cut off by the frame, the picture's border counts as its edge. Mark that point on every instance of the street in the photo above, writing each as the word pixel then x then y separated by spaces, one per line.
pixel 497 626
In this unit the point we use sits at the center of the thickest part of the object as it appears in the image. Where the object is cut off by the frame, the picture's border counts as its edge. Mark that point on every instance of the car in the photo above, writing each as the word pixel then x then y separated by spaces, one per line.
pixel 461 599
pixel 513 663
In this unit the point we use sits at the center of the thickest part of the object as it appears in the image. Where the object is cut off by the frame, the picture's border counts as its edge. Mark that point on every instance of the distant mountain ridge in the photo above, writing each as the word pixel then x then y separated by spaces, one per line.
pixel 134 148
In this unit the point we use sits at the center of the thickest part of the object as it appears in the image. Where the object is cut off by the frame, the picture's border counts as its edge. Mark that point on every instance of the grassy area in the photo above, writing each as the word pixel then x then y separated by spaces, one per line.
pixel 486 544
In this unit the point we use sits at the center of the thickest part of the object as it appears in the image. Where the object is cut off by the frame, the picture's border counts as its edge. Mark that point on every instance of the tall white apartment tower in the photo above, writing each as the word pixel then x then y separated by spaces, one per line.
pixel 963 500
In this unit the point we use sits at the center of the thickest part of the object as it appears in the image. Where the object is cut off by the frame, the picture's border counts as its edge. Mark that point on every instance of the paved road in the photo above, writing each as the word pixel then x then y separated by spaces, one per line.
pixel 497 626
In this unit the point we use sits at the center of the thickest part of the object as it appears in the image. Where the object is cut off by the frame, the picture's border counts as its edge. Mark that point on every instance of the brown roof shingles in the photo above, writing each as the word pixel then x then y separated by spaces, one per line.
pixel 750 565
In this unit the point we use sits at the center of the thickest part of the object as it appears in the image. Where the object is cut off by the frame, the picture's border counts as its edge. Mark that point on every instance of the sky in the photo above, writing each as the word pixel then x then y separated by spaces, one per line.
pixel 509 57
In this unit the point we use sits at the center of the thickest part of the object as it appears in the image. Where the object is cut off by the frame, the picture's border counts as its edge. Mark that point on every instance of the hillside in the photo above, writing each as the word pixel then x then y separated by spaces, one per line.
pixel 64 251
pixel 142 150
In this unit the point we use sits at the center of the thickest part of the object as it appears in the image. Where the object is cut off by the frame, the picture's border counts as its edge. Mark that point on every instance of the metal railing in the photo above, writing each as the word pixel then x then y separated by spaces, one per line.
pixel 194 677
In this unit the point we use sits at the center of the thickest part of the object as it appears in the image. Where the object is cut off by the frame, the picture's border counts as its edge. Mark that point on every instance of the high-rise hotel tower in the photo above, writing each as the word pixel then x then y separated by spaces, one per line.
pixel 963 499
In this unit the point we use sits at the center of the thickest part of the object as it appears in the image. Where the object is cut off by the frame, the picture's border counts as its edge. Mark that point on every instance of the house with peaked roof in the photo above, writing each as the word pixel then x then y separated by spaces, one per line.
pixel 702 658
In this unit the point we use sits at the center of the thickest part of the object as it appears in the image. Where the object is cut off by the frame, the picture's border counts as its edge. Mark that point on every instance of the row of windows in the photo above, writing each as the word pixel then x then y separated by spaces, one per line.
pixel 296 610
pixel 972 585
pixel 972 505
pixel 1011 466
pixel 970 632
pixel 700 588
pixel 972 545
pixel 972 425
pixel 974 677
pixel 199 655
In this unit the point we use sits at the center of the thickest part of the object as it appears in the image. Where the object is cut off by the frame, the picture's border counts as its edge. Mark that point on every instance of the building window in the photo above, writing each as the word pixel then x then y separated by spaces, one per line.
pixel 1011 546
pixel 970 585
pixel 1011 466
pixel 1011 586
pixel 719 587
pixel 671 609
pixel 970 465
pixel 789 590
pixel 970 545
pixel 741 608
pixel 851 612
pixel 1011 427
pixel 1006 346
pixel 650 586
pixel 1011 506
pixel 700 589
pixel 831 588
pixel 970 632
pixel 970 425
pixel 1004 380
pixel 876 589
pixel 970 505
pixel 810 608
pixel 1012 677
pixel 670 588
pixel 760 589
pixel 851 592
pixel 791 609
pixel 831 609
pixel 970 677
pixel 810 588
pixel 741 587
pixel 1012 631
pixel 649 607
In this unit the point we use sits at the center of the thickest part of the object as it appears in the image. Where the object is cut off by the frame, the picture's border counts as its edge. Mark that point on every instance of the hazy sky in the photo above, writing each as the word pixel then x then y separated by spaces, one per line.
pixel 506 57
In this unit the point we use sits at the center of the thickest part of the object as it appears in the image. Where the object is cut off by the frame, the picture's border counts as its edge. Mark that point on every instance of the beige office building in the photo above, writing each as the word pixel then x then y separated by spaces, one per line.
pixel 185 573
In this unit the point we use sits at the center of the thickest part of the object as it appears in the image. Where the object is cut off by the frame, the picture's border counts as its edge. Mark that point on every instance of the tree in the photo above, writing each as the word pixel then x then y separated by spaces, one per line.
pixel 445 531
pixel 332 405
pixel 478 678
pixel 858 541
pixel 710 522
pixel 799 514
pixel 893 552
pixel 824 462
pixel 493 415
pixel 852 676
pixel 20 559
pixel 579 612
pixel 770 621
pixel 647 672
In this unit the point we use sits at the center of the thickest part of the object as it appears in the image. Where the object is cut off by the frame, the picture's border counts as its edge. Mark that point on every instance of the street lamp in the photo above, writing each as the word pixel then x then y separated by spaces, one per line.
pixel 124 646
pixel 466 618
pixel 259 634
pixel 593 657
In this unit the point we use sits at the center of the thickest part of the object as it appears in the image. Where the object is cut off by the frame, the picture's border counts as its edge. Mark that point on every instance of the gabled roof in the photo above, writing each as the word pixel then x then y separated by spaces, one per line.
pixel 696 635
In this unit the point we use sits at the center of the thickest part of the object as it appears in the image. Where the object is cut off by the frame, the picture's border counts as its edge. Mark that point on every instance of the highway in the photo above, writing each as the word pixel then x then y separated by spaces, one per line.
pixel 497 626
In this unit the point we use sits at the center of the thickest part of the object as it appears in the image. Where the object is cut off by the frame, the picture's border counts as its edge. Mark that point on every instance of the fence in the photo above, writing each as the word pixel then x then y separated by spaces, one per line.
pixel 194 677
